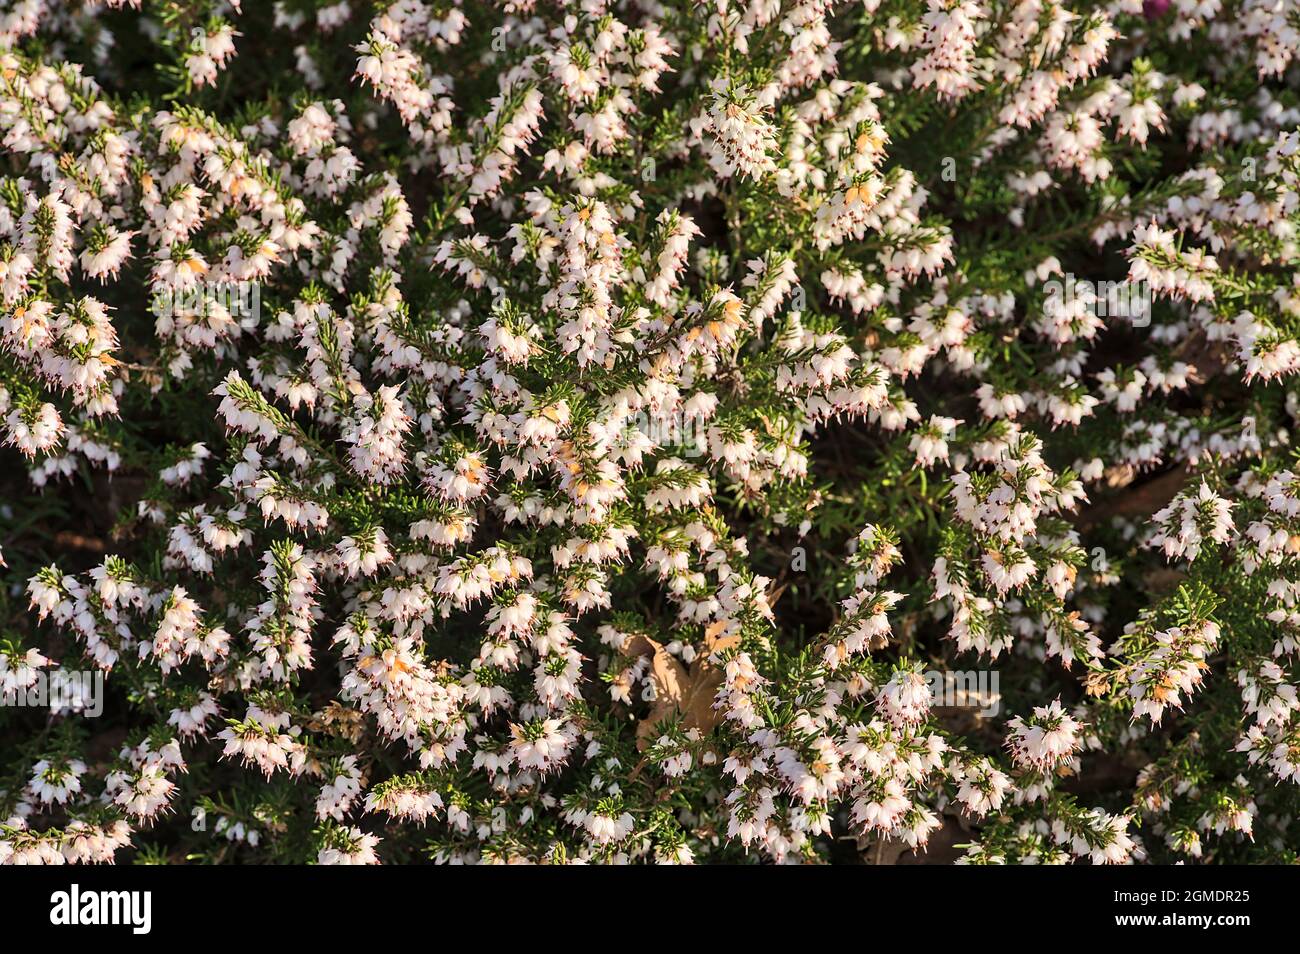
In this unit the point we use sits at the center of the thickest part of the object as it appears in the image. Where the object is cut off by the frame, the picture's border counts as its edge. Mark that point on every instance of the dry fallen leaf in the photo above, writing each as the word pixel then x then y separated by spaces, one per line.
pixel 715 641
pixel 678 690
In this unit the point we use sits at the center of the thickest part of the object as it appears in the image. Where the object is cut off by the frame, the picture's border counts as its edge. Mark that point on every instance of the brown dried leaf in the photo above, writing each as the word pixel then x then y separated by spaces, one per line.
pixel 677 690
pixel 697 701
pixel 715 641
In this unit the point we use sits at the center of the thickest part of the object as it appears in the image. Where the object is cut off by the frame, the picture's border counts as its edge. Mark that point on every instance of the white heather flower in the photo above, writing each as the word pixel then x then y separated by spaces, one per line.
pixel 930 443
pixel 1190 519
pixel 56 782
pixel 375 434
pixel 1047 738
pixel 906 699
pixel 209 53
pixel 355 848
pixel 363 554
pixel 742 138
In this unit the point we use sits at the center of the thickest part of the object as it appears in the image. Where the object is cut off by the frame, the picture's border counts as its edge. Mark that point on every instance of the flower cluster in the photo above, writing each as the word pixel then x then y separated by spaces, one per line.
pixel 602 431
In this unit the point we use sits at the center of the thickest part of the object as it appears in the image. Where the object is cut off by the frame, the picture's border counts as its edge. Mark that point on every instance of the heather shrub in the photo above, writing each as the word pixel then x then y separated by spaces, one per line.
pixel 649 431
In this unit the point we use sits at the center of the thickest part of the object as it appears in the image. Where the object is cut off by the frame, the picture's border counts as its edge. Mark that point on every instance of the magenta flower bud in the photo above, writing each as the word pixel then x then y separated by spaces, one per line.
pixel 1155 9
